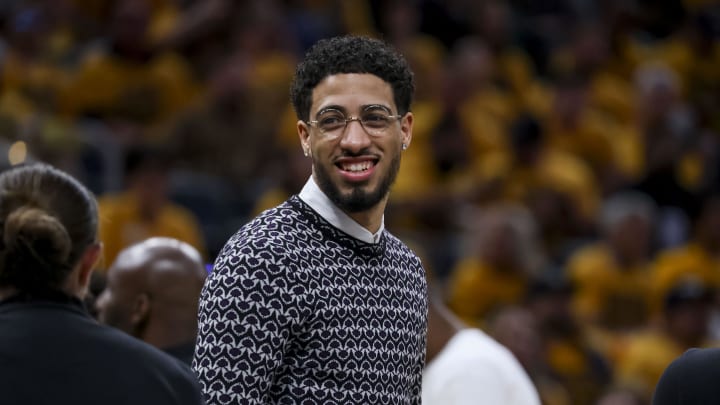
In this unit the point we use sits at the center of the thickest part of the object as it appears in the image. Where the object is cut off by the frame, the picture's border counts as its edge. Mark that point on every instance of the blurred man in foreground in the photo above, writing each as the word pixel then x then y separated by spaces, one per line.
pixel 152 293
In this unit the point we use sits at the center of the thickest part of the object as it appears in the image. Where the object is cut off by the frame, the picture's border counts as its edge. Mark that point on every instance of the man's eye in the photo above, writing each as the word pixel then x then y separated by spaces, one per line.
pixel 331 121
pixel 375 120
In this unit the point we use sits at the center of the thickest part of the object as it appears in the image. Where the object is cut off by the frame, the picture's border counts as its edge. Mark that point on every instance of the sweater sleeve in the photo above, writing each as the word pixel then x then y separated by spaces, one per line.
pixel 247 311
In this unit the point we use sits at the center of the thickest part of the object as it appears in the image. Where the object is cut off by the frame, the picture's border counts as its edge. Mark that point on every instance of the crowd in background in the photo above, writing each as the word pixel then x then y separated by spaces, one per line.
pixel 562 184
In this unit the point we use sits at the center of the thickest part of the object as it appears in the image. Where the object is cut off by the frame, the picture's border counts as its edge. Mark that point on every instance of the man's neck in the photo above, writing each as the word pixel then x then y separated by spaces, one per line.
pixel 443 327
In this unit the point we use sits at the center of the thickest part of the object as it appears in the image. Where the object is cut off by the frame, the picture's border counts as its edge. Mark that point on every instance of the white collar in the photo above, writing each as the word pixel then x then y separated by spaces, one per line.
pixel 317 200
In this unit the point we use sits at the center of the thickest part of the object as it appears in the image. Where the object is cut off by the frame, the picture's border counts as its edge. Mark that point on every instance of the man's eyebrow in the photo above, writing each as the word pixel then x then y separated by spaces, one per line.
pixel 343 110
pixel 325 109
pixel 375 107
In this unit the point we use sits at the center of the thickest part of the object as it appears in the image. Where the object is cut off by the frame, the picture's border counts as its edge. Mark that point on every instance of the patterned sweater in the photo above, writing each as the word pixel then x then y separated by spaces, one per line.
pixel 296 311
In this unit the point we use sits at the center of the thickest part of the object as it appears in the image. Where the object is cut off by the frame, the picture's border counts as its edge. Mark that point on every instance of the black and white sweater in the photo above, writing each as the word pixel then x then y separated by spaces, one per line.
pixel 296 311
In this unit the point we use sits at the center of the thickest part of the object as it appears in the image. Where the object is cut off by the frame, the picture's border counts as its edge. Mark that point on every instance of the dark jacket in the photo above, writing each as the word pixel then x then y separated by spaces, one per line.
pixel 692 379
pixel 53 352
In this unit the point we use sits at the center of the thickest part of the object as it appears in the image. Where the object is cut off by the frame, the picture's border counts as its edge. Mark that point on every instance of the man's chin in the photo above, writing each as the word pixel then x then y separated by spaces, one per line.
pixel 359 200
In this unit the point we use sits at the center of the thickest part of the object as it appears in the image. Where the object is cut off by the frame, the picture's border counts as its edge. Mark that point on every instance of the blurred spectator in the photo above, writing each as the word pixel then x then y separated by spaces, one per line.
pixel 213 128
pixel 291 171
pixel 684 324
pixel 612 295
pixel 517 329
pixel 125 78
pixel 576 128
pixel 52 350
pixel 30 76
pixel 570 358
pixel 557 187
pixel 464 365
pixel 496 265
pixel 666 128
pixel 696 258
pixel 479 93
pixel 152 293
pixel 495 21
pixel 144 209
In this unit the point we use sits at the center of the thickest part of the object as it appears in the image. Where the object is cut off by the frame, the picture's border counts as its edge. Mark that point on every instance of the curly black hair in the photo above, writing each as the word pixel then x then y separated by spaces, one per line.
pixel 351 54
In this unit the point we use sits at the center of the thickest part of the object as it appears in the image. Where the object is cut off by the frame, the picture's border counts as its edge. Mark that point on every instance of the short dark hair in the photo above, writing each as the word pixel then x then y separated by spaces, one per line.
pixel 47 220
pixel 351 54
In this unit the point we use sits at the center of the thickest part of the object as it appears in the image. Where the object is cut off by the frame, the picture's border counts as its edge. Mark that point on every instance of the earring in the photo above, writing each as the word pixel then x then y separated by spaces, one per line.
pixel 305 152
pixel 404 146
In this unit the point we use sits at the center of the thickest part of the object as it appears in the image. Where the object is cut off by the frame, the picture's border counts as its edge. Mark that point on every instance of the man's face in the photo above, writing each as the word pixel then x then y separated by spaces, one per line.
pixel 355 169
pixel 115 304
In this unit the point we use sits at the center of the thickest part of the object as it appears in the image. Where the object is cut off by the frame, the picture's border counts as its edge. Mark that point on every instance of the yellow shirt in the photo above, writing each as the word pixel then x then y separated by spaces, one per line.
pixel 475 289
pixel 606 293
pixel 417 176
pixel 645 359
pixel 555 170
pixel 122 226
pixel 577 367
pixel 589 140
pixel 148 92
pixel 486 116
pixel 672 266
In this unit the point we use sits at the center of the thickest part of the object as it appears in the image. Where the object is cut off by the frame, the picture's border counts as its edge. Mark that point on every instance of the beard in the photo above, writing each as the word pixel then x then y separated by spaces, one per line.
pixel 358 200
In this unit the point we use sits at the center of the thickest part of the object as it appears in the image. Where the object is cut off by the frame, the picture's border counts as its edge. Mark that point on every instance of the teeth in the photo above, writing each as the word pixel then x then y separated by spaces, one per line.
pixel 357 167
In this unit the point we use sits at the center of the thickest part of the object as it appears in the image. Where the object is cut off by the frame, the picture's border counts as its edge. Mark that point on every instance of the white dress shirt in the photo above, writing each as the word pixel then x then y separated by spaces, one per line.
pixel 318 201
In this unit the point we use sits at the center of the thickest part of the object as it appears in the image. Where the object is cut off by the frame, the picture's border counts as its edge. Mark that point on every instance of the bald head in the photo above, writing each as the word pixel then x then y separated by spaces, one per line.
pixel 153 289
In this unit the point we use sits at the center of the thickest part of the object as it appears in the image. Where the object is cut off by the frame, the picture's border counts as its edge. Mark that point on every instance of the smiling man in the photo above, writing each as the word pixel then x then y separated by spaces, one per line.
pixel 314 301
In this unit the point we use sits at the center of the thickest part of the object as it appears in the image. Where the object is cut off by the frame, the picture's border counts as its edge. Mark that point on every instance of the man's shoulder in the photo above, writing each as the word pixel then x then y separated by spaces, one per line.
pixel 269 233
pixel 272 223
pixel 395 243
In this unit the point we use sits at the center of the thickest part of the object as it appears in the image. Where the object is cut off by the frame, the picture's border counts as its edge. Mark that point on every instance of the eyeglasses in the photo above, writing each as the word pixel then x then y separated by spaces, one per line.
pixel 375 120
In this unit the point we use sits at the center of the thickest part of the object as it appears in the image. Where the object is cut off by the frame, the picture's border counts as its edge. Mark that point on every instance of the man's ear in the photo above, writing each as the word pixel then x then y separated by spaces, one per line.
pixel 304 135
pixel 140 309
pixel 406 127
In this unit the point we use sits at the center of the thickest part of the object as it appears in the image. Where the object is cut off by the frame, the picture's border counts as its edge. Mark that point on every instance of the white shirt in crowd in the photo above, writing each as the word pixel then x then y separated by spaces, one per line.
pixel 475 369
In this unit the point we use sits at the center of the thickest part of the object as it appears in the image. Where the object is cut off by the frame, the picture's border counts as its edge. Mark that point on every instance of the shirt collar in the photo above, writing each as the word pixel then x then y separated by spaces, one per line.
pixel 318 201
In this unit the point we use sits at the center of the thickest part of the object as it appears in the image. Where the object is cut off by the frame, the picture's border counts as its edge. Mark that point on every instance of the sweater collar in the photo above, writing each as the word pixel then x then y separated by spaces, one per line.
pixel 313 196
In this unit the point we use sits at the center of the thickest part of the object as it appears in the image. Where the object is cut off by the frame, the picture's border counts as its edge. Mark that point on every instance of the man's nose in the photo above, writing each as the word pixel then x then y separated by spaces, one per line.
pixel 354 136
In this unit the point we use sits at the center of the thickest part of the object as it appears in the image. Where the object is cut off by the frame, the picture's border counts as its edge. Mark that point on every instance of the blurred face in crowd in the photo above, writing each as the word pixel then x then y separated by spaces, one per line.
pixel 688 320
pixel 631 238
pixel 151 190
pixel 499 244
pixel 355 165
pixel 117 304
pixel 570 102
pixel 130 23
pixel 708 226
pixel 517 329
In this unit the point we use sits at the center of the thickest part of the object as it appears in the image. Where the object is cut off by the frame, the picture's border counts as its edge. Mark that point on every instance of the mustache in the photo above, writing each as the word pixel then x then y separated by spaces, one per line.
pixel 362 152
